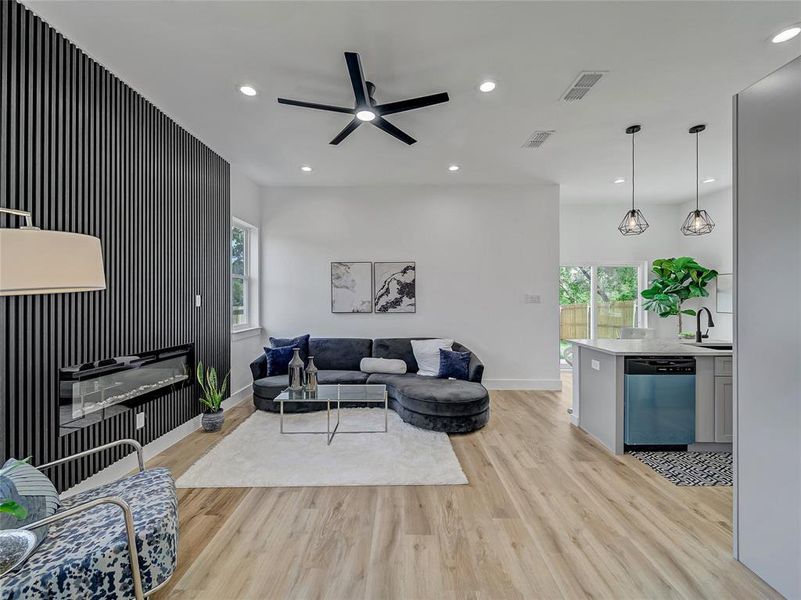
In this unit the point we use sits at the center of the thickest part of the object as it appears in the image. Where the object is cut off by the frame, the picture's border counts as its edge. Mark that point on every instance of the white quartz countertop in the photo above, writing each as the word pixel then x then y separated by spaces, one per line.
pixel 652 347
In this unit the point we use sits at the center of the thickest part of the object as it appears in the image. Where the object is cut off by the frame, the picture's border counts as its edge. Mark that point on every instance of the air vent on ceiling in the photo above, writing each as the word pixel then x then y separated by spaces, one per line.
pixel 538 138
pixel 582 85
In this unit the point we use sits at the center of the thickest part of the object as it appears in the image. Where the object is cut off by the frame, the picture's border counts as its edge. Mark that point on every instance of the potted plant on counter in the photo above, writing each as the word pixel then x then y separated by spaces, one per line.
pixel 677 280
pixel 213 417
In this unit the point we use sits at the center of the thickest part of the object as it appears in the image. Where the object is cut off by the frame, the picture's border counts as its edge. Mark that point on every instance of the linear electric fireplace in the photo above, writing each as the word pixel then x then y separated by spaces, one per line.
pixel 97 390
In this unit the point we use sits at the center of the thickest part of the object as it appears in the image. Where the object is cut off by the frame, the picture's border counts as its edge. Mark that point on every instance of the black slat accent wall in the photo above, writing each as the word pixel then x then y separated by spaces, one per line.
pixel 85 153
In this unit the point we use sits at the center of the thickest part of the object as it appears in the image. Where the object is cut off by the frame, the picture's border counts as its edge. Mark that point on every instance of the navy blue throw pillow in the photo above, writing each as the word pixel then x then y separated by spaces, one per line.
pixel 278 360
pixel 302 342
pixel 454 364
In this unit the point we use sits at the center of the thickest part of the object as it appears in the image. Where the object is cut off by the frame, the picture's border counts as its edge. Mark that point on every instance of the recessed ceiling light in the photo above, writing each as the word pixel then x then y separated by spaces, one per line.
pixel 453 168
pixel 248 90
pixel 787 34
pixel 306 169
pixel 365 115
pixel 708 180
pixel 487 86
pixel 620 180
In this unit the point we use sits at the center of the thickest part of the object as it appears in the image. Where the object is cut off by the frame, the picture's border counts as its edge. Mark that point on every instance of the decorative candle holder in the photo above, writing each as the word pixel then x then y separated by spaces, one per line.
pixel 296 371
pixel 311 376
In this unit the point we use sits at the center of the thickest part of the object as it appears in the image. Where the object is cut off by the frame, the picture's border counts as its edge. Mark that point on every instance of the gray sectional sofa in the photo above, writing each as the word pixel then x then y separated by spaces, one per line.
pixel 447 405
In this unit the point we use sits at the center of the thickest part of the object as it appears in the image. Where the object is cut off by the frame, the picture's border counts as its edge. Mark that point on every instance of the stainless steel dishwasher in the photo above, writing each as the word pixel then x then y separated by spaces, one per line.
pixel 659 401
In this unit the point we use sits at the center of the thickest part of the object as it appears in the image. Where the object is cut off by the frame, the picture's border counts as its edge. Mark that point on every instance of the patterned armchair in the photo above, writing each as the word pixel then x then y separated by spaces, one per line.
pixel 119 540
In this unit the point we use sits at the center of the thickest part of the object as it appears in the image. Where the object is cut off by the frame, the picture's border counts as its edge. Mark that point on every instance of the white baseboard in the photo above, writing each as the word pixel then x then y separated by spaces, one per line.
pixel 523 384
pixel 124 466
pixel 238 396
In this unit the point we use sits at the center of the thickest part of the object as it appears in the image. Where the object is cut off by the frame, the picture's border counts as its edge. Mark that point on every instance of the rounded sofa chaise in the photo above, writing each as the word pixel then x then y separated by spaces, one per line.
pixel 447 405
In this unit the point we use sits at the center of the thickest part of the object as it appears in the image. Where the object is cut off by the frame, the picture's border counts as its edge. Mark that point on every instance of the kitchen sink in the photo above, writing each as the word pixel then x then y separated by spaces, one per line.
pixel 712 346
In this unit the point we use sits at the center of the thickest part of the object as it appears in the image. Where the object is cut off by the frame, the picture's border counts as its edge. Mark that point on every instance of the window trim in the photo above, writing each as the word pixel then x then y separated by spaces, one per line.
pixel 249 279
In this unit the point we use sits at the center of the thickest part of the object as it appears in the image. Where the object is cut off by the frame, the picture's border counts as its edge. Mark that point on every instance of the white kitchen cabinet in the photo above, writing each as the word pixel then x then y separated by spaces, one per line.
pixel 723 365
pixel 724 409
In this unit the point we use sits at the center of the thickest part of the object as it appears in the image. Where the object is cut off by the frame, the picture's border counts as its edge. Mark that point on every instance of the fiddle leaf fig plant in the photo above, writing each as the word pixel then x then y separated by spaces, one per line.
pixel 677 280
pixel 213 395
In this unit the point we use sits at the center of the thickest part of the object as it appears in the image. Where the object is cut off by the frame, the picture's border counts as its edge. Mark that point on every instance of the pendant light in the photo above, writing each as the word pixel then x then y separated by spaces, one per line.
pixel 634 222
pixel 698 222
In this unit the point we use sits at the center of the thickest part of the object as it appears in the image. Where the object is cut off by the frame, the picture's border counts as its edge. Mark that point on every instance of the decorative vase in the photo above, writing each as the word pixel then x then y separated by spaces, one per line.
pixel 296 371
pixel 212 421
pixel 311 376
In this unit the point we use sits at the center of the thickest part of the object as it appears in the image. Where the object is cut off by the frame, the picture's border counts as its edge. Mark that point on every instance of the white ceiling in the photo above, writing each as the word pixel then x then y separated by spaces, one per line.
pixel 671 65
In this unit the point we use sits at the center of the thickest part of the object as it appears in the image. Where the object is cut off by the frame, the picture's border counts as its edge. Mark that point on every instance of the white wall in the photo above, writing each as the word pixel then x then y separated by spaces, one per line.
pixel 589 234
pixel 768 330
pixel 245 205
pixel 478 250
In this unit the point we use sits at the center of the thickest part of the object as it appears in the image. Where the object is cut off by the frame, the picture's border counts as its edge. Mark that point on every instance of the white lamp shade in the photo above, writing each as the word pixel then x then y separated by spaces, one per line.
pixel 33 261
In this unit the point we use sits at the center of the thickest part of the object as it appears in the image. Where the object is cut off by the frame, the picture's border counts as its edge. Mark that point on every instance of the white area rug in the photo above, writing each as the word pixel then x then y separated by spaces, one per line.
pixel 256 454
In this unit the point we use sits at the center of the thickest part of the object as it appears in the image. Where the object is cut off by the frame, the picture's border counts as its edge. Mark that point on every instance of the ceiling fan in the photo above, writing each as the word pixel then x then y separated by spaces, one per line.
pixel 366 109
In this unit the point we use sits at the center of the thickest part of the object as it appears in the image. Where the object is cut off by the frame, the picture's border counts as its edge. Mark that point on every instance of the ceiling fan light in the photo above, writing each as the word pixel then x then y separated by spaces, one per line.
pixel 365 115
pixel 633 223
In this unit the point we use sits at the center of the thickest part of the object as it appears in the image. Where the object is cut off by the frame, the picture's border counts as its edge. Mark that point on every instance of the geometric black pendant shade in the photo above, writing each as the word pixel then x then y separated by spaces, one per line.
pixel 698 222
pixel 633 222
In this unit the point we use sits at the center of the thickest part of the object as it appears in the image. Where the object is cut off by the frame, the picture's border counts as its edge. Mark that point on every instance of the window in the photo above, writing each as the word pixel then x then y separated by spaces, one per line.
pixel 596 301
pixel 244 297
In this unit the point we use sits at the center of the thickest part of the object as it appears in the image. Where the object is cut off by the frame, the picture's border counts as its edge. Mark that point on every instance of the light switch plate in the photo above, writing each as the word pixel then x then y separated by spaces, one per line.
pixel 532 298
pixel 198 300
pixel 596 365
pixel 140 420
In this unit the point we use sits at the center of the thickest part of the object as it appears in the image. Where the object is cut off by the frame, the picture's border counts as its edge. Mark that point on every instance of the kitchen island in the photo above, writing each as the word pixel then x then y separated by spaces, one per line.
pixel 599 386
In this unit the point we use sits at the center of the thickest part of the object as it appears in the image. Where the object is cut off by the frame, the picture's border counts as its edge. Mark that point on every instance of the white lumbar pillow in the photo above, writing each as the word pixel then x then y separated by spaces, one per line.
pixel 426 353
pixel 383 365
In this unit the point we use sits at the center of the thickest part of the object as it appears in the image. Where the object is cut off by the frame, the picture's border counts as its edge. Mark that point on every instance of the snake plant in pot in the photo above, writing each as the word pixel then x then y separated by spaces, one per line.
pixel 677 280
pixel 213 395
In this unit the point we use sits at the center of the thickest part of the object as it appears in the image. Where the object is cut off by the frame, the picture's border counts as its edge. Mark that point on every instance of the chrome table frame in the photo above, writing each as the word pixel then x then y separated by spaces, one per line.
pixel 329 433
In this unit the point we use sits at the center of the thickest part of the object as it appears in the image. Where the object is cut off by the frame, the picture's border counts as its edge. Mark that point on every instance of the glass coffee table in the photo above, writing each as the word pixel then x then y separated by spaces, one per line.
pixel 336 394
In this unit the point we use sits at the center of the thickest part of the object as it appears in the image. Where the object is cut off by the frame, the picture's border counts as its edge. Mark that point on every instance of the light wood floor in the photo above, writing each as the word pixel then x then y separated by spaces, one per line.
pixel 547 514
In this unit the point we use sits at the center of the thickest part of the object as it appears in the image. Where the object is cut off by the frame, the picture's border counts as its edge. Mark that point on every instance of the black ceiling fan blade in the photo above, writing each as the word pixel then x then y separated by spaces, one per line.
pixel 411 104
pixel 327 107
pixel 357 78
pixel 385 125
pixel 349 128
